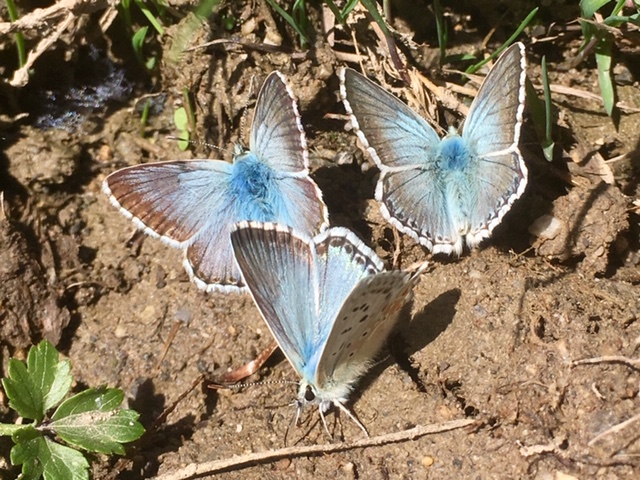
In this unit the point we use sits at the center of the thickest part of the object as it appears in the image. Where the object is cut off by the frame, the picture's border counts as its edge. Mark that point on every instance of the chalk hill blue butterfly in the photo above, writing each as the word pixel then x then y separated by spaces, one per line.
pixel 326 300
pixel 448 192
pixel 193 204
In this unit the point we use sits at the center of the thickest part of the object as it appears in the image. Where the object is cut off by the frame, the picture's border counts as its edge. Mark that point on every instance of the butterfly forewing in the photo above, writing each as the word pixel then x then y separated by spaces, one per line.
pixel 361 327
pixel 153 195
pixel 495 116
pixel 277 136
pixel 193 204
pixel 394 135
pixel 278 268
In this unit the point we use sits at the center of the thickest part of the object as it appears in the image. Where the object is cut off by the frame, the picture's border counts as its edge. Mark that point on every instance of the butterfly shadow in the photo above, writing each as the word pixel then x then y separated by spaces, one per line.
pixel 152 406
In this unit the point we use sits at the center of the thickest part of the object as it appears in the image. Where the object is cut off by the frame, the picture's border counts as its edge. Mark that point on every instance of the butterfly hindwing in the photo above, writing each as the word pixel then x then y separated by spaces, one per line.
pixel 361 327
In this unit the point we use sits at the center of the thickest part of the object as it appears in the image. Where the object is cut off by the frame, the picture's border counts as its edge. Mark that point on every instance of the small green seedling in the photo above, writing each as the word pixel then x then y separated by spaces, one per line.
pixel 181 119
pixel 91 420
pixel 542 113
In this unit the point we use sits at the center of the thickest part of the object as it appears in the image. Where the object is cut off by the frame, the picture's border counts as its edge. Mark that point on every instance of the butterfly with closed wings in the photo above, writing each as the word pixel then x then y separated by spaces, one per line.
pixel 445 193
pixel 326 300
pixel 193 204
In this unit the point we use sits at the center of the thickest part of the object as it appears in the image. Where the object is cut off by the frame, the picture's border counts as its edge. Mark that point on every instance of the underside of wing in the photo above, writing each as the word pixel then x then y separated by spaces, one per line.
pixel 277 136
pixel 342 261
pixel 360 329
pixel 278 268
pixel 394 135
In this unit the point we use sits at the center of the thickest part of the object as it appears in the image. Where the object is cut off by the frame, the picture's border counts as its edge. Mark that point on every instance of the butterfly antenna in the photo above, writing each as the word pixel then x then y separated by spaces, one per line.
pixel 218 385
pixel 351 415
pixel 195 142
pixel 245 111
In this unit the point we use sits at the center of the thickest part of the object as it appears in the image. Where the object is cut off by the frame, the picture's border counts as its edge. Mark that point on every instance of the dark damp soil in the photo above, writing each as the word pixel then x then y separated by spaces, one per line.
pixel 490 336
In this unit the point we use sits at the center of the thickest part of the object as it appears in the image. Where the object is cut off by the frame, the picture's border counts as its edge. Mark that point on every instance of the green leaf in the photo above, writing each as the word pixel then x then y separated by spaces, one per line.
pixel 150 16
pixel 40 456
pixel 590 7
pixel 24 396
pixel 101 399
pixel 137 42
pixel 9 429
pixel 605 78
pixel 510 40
pixel 180 118
pixel 183 141
pixel 90 420
pixel 289 19
pixel 35 388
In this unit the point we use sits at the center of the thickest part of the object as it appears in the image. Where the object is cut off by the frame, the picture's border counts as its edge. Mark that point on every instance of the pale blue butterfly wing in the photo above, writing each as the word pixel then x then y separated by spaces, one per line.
pixel 326 300
pixel 450 192
pixel 193 204
pixel 493 129
pixel 359 330
pixel 169 201
pixel 277 136
pixel 299 283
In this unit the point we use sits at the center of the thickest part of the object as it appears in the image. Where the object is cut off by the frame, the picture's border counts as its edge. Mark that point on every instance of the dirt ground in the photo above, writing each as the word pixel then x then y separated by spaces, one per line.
pixel 491 336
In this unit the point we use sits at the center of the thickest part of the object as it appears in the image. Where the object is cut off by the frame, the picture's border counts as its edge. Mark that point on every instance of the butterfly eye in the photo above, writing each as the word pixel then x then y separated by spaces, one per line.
pixel 309 394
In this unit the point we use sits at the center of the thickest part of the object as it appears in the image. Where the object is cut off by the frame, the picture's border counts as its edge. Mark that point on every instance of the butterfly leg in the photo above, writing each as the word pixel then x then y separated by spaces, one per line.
pixel 324 420
pixel 341 406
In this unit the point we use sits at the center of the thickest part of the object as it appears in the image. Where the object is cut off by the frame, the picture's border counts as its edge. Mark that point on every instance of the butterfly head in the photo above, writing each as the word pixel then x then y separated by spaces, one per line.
pixel 309 395
pixel 239 150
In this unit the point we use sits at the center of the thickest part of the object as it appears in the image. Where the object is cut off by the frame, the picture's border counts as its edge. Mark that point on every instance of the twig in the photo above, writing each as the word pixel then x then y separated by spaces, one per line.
pixel 615 429
pixel 631 362
pixel 243 461
pixel 41 17
pixel 21 76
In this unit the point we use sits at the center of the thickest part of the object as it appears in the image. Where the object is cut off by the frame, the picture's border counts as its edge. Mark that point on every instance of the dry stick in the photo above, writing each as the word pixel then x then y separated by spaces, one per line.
pixel 615 429
pixel 243 461
pixel 631 362
pixel 21 76
pixel 40 18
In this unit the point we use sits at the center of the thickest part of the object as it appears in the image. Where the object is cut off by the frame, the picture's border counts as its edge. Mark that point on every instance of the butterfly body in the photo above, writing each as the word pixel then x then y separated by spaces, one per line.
pixel 253 186
pixel 326 300
pixel 193 204
pixel 448 192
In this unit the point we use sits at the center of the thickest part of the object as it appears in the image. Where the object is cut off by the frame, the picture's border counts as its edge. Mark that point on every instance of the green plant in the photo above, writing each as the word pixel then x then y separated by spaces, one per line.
pixel 19 38
pixel 541 113
pixel 477 66
pixel 91 420
pixel 599 36
pixel 139 34
pixel 185 120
